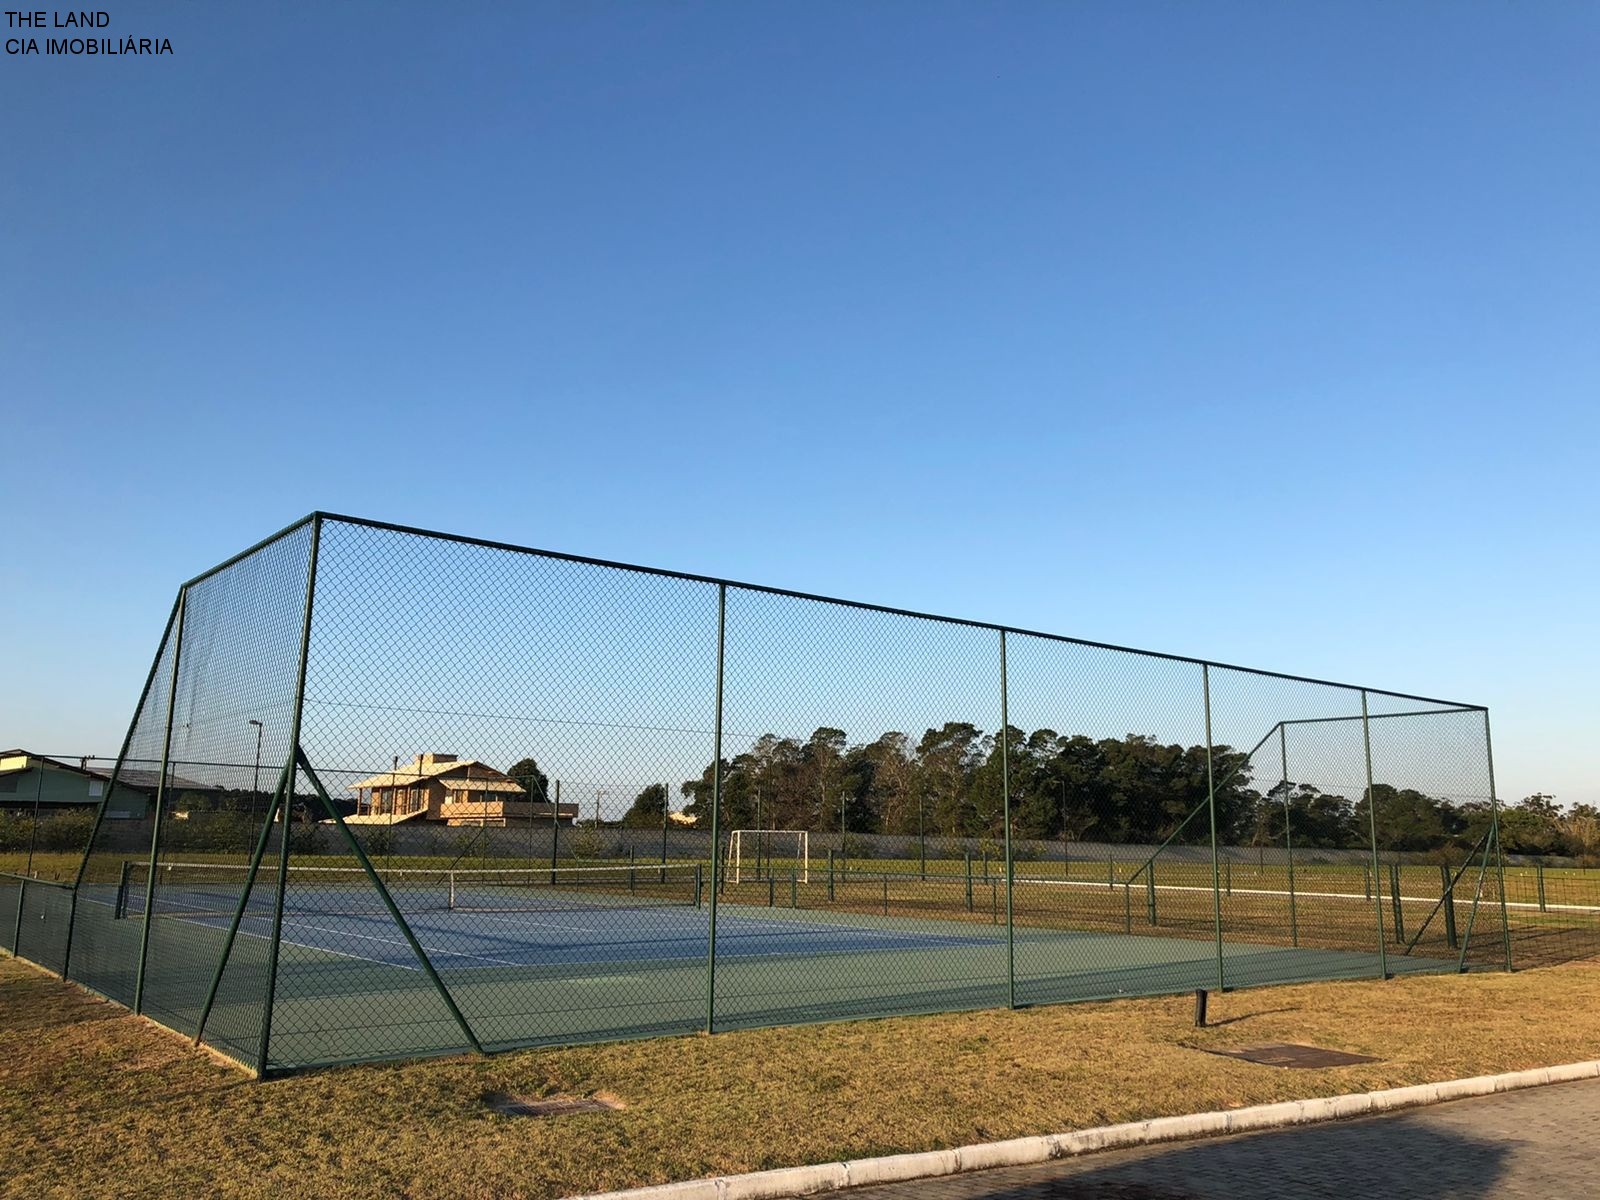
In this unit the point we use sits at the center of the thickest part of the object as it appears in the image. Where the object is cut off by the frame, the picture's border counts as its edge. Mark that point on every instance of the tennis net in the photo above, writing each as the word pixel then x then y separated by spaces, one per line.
pixel 203 889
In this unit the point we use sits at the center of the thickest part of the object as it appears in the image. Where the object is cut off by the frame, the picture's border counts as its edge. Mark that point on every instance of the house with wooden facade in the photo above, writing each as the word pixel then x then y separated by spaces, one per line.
pixel 451 790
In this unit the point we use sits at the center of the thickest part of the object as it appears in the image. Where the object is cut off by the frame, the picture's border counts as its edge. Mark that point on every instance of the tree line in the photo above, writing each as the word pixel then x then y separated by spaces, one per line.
pixel 1133 789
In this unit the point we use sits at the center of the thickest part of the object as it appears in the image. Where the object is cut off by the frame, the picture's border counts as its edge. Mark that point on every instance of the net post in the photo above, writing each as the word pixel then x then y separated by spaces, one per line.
pixel 160 804
pixel 1211 804
pixel 1372 830
pixel 1288 833
pixel 291 774
pixel 716 813
pixel 244 899
pixel 1499 856
pixel 1005 798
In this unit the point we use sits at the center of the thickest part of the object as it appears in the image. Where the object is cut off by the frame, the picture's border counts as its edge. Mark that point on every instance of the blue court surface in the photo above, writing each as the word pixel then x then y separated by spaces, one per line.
pixel 560 966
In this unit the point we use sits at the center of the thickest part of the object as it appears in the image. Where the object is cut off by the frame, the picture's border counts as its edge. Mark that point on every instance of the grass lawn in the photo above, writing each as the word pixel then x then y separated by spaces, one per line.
pixel 94 1101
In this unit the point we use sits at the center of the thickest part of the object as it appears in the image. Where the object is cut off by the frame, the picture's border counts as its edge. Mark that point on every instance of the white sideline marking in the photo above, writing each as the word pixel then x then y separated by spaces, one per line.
pixel 1462 896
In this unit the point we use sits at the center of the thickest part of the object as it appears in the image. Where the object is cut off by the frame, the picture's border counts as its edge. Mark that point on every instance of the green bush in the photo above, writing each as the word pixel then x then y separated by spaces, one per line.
pixel 66 830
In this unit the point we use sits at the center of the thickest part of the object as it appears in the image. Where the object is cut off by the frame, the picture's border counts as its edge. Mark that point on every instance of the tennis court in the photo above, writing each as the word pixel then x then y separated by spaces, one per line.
pixel 532 957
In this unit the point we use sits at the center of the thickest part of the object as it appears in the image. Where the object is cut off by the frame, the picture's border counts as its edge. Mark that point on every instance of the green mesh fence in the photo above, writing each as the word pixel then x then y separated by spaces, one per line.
pixel 389 793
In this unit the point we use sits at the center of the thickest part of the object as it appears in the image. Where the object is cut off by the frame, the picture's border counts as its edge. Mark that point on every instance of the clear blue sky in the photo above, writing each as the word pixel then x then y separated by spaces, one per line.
pixel 1259 332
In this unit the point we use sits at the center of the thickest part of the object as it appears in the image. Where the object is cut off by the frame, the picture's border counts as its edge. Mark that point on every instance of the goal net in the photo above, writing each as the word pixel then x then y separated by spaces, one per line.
pixel 762 853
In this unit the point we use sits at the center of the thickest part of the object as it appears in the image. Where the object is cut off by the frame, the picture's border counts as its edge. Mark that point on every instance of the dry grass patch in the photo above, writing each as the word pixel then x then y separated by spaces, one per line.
pixel 95 1101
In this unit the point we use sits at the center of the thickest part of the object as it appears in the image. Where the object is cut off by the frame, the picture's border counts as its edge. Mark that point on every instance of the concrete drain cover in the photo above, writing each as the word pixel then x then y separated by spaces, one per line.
pixel 508 1105
pixel 1287 1054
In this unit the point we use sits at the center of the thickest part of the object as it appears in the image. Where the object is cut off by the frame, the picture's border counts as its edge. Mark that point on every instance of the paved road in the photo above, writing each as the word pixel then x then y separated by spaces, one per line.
pixel 1543 1142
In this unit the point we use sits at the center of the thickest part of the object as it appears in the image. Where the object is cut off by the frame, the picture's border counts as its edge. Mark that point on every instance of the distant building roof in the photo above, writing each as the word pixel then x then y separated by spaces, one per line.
pixel 136 779
pixel 434 766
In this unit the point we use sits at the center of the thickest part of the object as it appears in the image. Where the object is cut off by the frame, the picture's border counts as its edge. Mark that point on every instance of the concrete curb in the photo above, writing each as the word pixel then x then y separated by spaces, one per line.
pixel 899 1168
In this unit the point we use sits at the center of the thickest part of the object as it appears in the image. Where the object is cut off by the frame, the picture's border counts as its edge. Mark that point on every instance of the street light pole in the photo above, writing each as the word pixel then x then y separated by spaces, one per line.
pixel 255 786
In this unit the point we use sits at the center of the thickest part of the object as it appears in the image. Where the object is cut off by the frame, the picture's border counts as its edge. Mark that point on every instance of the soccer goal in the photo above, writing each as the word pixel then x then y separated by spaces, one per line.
pixel 758 853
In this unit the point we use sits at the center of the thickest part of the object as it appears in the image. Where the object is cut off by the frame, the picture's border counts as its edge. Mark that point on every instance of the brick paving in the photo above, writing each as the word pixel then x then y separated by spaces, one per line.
pixel 1543 1142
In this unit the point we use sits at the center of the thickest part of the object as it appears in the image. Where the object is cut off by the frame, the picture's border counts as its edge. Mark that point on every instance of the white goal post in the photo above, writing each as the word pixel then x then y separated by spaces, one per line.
pixel 751 853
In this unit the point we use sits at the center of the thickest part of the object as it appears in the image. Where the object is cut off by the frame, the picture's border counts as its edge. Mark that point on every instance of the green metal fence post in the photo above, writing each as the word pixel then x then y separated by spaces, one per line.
pixel 160 807
pixel 716 815
pixel 287 808
pixel 830 876
pixel 1211 802
pixel 1538 874
pixel 555 832
pixel 1005 799
pixel 16 932
pixel 922 840
pixel 1395 910
pixel 1372 828
pixel 1288 834
pixel 1499 856
pixel 968 854
pixel 1447 894
pixel 1477 896
pixel 1150 890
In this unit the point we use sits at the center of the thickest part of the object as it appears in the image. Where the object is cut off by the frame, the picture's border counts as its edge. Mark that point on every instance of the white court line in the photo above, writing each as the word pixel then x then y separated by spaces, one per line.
pixel 267 937
pixel 515 916
pixel 370 937
pixel 1461 896
pixel 348 934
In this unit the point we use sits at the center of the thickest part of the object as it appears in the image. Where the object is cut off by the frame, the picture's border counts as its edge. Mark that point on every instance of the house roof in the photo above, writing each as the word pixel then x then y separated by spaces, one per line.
pixel 426 767
pixel 134 778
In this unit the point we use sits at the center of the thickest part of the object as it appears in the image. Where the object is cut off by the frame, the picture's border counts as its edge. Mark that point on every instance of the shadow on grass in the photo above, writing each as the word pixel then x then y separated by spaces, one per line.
pixel 1416 1160
pixel 1211 1023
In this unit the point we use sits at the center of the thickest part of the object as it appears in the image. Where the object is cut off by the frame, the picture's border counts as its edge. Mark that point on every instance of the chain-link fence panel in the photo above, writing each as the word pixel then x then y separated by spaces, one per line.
pixel 239 651
pixel 1437 833
pixel 848 719
pixel 482 720
pixel 1109 746
pixel 104 955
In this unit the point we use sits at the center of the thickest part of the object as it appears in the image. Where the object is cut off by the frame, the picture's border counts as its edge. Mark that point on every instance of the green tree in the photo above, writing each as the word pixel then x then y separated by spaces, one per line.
pixel 526 773
pixel 1406 819
pixel 649 808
